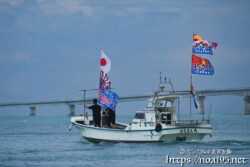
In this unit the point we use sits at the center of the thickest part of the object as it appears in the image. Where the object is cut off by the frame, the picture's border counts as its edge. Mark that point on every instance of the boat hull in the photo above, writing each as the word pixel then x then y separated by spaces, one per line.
pixel 169 133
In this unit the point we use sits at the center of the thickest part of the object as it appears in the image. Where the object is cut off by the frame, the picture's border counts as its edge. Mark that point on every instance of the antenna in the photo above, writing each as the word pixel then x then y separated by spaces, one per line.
pixel 160 77
pixel 166 81
pixel 210 110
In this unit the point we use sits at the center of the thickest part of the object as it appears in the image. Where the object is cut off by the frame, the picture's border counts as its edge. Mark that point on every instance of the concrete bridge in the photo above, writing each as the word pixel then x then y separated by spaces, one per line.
pixel 201 96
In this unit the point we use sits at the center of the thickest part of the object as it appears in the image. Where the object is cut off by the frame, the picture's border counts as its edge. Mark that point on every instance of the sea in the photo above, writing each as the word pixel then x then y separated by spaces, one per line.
pixel 46 141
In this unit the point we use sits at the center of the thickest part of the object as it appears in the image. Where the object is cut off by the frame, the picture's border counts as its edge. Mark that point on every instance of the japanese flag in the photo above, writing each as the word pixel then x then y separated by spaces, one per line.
pixel 105 63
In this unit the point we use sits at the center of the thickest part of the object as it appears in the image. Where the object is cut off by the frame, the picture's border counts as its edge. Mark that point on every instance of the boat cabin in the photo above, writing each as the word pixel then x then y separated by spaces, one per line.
pixel 158 110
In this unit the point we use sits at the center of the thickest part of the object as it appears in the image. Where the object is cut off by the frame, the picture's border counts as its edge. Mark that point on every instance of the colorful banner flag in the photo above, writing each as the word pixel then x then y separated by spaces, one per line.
pixel 107 98
pixel 203 46
pixel 194 94
pixel 201 66
pixel 104 80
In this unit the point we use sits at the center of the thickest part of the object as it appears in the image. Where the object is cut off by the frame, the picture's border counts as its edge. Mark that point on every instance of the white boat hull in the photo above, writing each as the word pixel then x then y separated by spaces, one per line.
pixel 143 135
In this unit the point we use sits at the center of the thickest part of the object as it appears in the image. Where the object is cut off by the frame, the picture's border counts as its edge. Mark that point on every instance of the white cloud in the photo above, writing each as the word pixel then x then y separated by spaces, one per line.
pixel 227 10
pixel 95 11
pixel 5 9
pixel 13 89
pixel 13 3
pixel 61 7
pixel 135 10
pixel 118 12
pixel 64 7
pixel 16 58
pixel 72 7
pixel 40 1
pixel 21 57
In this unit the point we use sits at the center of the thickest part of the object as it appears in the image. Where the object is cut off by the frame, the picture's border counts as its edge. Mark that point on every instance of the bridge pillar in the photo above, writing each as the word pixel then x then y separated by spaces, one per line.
pixel 32 111
pixel 201 100
pixel 72 109
pixel 247 104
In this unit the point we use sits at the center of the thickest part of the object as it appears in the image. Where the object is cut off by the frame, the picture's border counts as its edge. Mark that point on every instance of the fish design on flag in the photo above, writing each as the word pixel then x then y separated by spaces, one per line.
pixel 203 46
pixel 107 98
pixel 201 66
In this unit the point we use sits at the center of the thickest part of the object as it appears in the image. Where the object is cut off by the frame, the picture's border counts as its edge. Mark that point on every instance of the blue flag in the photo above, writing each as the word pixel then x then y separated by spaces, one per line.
pixel 201 66
pixel 194 94
pixel 107 98
pixel 203 46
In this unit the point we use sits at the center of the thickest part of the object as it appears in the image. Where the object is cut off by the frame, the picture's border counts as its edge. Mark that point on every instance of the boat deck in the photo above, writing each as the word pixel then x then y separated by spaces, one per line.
pixel 117 125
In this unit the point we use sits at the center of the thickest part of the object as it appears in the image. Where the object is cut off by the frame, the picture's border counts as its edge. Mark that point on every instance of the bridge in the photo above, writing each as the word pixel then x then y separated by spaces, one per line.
pixel 201 96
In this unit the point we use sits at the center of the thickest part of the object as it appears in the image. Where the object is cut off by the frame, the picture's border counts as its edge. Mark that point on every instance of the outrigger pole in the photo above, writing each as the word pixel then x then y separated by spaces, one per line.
pixel 84 100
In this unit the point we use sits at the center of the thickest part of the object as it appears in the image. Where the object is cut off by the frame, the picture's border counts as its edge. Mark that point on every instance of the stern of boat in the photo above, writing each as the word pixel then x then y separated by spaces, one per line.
pixel 187 132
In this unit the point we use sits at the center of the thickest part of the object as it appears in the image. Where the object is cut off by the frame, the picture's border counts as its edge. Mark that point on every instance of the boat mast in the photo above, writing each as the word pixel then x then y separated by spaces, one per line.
pixel 191 79
pixel 84 101
pixel 161 87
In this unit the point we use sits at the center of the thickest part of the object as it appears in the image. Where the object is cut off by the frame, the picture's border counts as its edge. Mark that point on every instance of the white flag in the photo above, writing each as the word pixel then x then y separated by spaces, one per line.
pixel 105 63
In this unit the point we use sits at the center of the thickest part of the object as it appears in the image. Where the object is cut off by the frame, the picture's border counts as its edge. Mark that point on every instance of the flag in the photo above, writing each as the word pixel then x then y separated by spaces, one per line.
pixel 107 98
pixel 196 38
pixel 201 66
pixel 194 94
pixel 203 46
pixel 105 63
pixel 104 80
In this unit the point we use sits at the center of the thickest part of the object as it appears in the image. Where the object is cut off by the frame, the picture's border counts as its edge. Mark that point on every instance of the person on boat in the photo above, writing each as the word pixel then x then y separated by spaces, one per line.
pixel 105 118
pixel 111 118
pixel 96 109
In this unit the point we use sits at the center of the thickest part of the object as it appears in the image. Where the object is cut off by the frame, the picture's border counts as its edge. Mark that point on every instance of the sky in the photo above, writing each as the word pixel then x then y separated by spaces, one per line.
pixel 50 49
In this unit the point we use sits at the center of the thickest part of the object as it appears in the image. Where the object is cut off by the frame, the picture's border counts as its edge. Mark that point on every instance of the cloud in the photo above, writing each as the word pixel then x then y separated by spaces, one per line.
pixel 59 7
pixel 40 1
pixel 12 89
pixel 13 3
pixel 239 10
pixel 95 11
pixel 135 10
pixel 63 7
pixel 17 58
pixel 21 57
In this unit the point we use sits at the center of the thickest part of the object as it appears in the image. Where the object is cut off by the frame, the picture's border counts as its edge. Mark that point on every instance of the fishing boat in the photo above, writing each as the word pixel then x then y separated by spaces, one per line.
pixel 156 123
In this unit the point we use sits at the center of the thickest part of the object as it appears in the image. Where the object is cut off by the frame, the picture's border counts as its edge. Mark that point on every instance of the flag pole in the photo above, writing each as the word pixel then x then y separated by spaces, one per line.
pixel 191 80
pixel 84 101
pixel 190 103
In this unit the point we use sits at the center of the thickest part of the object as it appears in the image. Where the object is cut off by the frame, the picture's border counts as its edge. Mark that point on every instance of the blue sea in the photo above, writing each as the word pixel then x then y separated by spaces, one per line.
pixel 46 141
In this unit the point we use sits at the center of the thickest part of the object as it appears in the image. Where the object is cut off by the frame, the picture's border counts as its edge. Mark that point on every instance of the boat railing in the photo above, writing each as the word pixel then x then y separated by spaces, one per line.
pixel 188 122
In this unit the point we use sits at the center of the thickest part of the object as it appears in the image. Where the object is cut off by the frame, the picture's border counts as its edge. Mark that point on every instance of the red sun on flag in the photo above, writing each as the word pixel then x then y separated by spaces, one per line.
pixel 103 62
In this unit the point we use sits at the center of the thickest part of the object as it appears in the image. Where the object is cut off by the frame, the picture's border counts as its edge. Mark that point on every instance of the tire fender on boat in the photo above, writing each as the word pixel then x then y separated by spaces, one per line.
pixel 158 128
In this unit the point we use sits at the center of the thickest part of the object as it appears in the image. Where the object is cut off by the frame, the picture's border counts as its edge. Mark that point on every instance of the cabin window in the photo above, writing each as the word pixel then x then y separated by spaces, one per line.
pixel 150 104
pixel 139 116
pixel 166 118
pixel 161 103
pixel 169 104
